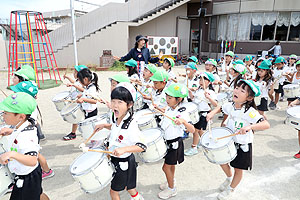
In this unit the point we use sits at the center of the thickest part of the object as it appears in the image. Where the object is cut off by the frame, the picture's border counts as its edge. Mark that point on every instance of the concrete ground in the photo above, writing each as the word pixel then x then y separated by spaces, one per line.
pixel 275 174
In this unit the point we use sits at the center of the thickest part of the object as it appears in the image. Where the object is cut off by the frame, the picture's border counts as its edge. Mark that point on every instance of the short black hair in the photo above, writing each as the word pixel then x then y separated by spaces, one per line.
pixel 122 94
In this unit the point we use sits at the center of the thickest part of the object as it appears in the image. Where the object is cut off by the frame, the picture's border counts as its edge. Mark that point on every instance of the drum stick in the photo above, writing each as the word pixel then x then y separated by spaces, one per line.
pixel 164 114
pixel 203 83
pixel 71 101
pixel 150 113
pixel 100 151
pixel 97 98
pixel 152 101
pixel 87 140
pixel 227 136
pixel 139 91
pixel 3 93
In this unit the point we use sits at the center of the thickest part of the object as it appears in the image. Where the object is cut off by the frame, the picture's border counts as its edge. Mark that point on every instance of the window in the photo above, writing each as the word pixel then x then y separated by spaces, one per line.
pixel 256 25
pixel 243 27
pixel 269 26
pixel 283 22
pixel 295 27
pixel 213 28
pixel 222 27
pixel 232 27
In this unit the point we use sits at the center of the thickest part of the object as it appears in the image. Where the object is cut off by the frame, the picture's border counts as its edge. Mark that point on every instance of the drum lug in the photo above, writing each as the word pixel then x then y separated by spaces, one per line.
pixel 74 117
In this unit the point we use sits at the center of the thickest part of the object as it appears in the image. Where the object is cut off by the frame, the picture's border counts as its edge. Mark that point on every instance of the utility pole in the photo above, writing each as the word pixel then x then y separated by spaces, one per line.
pixel 74 31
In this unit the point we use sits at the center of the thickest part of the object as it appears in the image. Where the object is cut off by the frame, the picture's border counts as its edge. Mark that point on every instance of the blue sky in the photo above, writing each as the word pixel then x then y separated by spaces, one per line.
pixel 45 5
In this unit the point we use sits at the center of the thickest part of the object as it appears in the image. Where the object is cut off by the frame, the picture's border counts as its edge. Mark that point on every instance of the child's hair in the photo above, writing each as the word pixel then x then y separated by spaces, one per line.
pixel 92 77
pixel 239 77
pixel 28 118
pixel 248 104
pixel 122 94
pixel 210 86
pixel 268 77
pixel 21 79
pixel 277 42
pixel 132 70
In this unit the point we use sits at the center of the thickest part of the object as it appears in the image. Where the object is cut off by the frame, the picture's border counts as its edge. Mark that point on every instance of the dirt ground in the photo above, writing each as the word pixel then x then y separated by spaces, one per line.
pixel 275 174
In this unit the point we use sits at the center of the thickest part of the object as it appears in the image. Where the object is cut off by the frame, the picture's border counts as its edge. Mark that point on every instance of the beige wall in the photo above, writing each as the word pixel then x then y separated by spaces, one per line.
pixel 3 54
pixel 165 25
pixel 90 49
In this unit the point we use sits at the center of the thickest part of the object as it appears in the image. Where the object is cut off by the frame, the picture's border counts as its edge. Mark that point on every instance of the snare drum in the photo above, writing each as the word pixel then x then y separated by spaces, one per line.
pixel 87 126
pixel 293 117
pixel 222 98
pixel 93 171
pixel 139 102
pixel 145 119
pixel 156 146
pixel 59 100
pixel 72 113
pixel 192 109
pixel 291 90
pixel 221 152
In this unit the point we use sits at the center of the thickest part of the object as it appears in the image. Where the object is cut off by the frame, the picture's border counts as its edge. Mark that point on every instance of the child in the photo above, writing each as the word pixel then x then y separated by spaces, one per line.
pixel 227 63
pixel 280 73
pixel 204 97
pixel 258 62
pixel 76 89
pixel 243 118
pixel 32 89
pixel 294 103
pixel 249 66
pixel 131 67
pixel 168 65
pixel 21 155
pixel 191 80
pixel 211 67
pixel 173 136
pixel 146 83
pixel 294 79
pixel 264 80
pixel 125 139
pixel 25 73
pixel 193 59
pixel 291 63
pixel 116 79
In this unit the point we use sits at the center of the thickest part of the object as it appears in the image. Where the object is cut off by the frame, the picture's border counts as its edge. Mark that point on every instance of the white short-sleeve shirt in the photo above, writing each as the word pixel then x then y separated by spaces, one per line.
pixel 202 101
pixel 23 140
pixel 264 88
pixel 171 76
pixel 90 89
pixel 238 118
pixel 146 91
pixel 159 98
pixel 172 130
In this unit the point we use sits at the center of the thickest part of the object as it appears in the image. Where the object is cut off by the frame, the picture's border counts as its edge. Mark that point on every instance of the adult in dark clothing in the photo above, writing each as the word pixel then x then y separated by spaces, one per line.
pixel 140 53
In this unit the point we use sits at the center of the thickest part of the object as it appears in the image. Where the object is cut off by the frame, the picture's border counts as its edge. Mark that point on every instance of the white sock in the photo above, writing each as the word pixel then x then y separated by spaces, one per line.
pixel 230 188
pixel 171 188
pixel 229 178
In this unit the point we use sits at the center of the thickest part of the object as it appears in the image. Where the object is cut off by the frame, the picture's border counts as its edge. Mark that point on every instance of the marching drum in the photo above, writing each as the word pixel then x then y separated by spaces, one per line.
pixel 72 113
pixel 293 117
pixel 87 127
pixel 93 171
pixel 218 152
pixel 222 98
pixel 139 103
pixel 192 109
pixel 291 90
pixel 156 146
pixel 145 119
pixel 59 100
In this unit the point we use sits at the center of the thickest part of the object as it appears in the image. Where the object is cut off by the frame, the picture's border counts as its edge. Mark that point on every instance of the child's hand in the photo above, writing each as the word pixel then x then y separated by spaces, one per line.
pixel 99 127
pixel 119 151
pixel 209 116
pixel 207 95
pixel 65 76
pixel 179 121
pixel 4 158
pixel 245 130
pixel 80 100
pixel 6 131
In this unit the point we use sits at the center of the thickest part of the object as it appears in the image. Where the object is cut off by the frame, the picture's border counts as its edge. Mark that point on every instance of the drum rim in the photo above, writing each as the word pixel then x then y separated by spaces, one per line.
pixel 66 114
pixel 201 139
pixel 63 98
pixel 220 163
pixel 89 169
pixel 93 119
pixel 161 130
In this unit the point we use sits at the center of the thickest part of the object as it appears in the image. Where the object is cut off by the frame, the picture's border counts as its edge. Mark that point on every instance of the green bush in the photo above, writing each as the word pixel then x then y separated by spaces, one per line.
pixel 118 66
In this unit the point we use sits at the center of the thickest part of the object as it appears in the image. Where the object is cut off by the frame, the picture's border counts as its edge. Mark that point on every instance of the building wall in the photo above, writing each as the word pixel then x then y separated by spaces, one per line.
pixel 165 25
pixel 3 54
pixel 90 49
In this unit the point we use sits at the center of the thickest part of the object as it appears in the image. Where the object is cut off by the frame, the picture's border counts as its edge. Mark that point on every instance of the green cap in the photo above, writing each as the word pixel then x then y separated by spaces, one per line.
pixel 177 90
pixel 266 64
pixel 20 102
pixel 151 67
pixel 120 78
pixel 131 63
pixel 279 60
pixel 208 75
pixel 240 68
pixel 160 75
pixel 293 56
pixel 27 87
pixel 191 65
pixel 27 72
pixel 238 62
pixel 211 62
pixel 298 62
pixel 170 61
pixel 248 58
pixel 229 53
pixel 194 59
pixel 80 67
pixel 253 86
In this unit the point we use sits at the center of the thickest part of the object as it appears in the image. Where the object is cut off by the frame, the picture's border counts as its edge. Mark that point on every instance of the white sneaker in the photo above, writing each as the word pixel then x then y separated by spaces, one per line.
pixel 165 185
pixel 277 107
pixel 167 193
pixel 141 197
pixel 191 151
pixel 225 184
pixel 225 194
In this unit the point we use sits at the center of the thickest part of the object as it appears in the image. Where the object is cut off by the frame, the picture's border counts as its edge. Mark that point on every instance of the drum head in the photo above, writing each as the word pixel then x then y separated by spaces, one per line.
pixel 69 108
pixel 61 96
pixel 216 133
pixel 291 86
pixel 143 116
pixel 151 135
pixel 85 162
pixel 294 111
